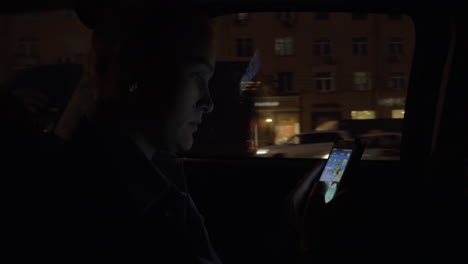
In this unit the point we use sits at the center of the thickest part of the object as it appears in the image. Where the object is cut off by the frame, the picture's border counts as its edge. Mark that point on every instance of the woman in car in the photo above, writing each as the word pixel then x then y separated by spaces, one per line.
pixel 149 76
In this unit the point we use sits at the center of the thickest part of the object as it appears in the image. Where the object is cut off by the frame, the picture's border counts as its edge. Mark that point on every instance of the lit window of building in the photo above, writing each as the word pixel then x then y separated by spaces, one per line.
pixel 284 46
pixel 242 17
pixel 366 114
pixel 362 81
pixel 286 16
pixel 398 113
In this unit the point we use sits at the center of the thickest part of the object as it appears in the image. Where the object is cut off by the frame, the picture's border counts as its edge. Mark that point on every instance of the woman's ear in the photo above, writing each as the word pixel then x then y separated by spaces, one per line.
pixel 89 70
pixel 133 88
pixel 109 81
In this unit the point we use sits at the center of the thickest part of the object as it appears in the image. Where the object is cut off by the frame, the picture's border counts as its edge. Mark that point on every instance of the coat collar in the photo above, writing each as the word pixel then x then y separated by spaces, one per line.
pixel 145 183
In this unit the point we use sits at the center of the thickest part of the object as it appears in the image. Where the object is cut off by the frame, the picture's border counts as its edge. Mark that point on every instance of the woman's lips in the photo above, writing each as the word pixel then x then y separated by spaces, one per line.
pixel 194 125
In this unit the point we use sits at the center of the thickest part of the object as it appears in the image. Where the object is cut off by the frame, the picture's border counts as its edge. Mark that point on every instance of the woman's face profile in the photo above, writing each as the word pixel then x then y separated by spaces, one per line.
pixel 174 107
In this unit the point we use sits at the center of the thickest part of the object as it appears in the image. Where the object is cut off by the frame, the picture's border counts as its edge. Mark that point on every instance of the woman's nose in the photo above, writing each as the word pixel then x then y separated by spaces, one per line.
pixel 206 102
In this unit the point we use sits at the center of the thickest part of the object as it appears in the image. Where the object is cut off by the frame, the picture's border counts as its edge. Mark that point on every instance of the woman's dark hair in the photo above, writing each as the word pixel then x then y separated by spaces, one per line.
pixel 139 44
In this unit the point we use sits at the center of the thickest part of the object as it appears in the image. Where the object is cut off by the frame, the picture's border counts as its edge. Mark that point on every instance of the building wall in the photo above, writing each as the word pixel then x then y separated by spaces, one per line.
pixel 340 28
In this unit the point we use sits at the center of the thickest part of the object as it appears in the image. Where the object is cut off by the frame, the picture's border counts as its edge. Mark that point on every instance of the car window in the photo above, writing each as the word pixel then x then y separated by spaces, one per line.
pixel 309 75
pixel 309 72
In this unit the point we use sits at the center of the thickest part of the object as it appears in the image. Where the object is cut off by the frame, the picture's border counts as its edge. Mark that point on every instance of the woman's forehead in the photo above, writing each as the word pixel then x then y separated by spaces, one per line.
pixel 196 47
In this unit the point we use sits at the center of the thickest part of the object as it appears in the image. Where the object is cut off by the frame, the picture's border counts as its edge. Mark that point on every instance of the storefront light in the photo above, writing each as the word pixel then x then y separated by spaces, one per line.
pixel 398 113
pixel 264 104
pixel 367 114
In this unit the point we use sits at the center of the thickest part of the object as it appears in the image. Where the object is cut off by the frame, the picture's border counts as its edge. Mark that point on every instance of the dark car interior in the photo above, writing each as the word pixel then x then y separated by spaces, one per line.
pixel 414 206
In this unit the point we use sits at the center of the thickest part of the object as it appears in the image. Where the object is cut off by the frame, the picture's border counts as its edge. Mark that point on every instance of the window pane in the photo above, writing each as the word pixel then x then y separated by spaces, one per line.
pixel 364 49
pixel 290 46
pixel 328 85
pixel 240 50
pixel 355 49
pixel 249 47
pixel 398 113
pixel 318 50
pixel 285 83
pixel 242 16
pixel 318 85
pixel 326 50
pixel 361 115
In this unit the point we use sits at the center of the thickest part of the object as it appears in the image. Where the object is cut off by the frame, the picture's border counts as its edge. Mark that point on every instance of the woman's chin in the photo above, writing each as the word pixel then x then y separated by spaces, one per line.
pixel 185 144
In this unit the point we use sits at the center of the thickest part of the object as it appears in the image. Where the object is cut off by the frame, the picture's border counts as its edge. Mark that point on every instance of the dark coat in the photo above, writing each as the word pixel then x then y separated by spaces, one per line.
pixel 112 203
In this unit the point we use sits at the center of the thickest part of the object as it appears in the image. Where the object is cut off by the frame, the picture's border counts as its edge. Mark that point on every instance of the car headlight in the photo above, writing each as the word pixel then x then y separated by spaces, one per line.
pixel 262 151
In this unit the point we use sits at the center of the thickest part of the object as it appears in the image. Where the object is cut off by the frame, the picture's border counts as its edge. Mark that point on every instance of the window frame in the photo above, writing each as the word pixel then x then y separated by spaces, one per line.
pixel 399 79
pixel 396 47
pixel 244 47
pixel 360 46
pixel 284 46
pixel 322 79
pixel 322 47
pixel 282 78
pixel 242 18
pixel 359 86
pixel 28 48
pixel 356 112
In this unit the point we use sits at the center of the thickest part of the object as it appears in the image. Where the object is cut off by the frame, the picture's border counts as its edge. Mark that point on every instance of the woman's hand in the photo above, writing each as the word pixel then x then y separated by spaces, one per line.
pixel 317 225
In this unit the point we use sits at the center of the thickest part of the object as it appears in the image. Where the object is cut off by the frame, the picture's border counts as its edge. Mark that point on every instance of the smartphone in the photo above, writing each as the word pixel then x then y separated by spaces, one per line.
pixel 344 156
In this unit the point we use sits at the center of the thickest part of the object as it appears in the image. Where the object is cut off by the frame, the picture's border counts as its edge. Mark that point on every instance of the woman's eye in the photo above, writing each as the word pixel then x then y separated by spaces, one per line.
pixel 198 77
pixel 195 76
